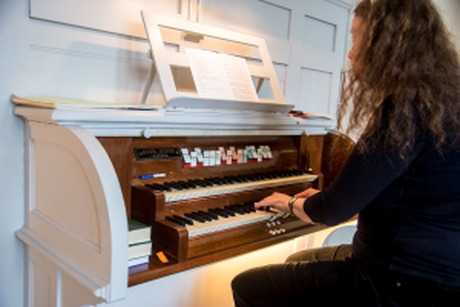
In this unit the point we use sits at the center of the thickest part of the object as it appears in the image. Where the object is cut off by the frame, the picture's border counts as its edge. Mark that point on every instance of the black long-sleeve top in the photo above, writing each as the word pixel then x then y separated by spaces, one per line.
pixel 409 211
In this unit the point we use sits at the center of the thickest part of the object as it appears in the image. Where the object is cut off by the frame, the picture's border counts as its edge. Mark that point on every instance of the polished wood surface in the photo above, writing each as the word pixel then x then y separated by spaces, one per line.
pixel 336 149
pixel 309 154
pixel 119 152
pixel 203 245
pixel 155 269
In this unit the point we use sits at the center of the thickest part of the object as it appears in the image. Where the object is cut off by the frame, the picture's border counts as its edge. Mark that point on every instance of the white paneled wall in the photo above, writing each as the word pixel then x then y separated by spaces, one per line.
pixel 79 63
pixel 96 50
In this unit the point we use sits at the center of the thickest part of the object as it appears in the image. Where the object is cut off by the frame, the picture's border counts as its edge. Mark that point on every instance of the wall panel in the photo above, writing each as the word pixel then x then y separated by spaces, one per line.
pixel 314 90
pixel 77 63
pixel 319 34
pixel 254 17
pixel 116 16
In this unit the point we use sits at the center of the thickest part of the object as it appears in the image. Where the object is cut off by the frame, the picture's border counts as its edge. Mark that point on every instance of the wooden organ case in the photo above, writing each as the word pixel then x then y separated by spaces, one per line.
pixel 295 165
pixel 90 169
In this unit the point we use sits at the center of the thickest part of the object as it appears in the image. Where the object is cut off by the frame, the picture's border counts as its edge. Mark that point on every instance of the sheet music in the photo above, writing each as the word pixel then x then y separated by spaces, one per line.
pixel 221 76
pixel 64 103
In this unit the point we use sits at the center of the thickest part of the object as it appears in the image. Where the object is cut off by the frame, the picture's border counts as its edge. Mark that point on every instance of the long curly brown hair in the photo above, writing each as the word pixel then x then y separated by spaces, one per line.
pixel 405 79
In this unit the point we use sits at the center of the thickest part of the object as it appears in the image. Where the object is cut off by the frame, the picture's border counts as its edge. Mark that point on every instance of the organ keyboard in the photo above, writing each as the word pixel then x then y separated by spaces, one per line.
pixel 181 190
pixel 200 223
pixel 203 213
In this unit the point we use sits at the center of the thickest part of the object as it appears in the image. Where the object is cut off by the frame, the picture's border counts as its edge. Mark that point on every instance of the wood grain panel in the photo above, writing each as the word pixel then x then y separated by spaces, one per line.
pixel 321 155
pixel 120 151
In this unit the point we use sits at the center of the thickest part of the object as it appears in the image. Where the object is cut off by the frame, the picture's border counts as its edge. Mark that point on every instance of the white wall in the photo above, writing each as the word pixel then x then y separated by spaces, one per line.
pixel 450 9
pixel 14 73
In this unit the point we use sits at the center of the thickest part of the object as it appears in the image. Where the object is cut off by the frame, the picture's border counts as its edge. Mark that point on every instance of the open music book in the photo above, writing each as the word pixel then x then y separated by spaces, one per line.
pixel 62 103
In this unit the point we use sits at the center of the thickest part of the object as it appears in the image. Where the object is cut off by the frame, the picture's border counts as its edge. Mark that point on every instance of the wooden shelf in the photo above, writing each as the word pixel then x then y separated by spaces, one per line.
pixel 155 269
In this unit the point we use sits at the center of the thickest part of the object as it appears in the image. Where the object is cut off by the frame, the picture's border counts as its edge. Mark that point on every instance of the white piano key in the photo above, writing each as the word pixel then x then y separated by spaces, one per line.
pixel 198 229
pixel 177 195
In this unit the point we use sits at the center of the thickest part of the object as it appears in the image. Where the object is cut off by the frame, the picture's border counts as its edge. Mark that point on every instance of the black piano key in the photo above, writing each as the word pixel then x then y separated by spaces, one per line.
pixel 242 179
pixel 173 185
pixel 241 211
pixel 225 180
pixel 251 178
pixel 177 221
pixel 235 179
pixel 177 186
pixel 204 216
pixel 229 212
pixel 261 177
pixel 235 209
pixel 188 184
pixel 214 215
pixel 219 212
pixel 254 177
pixel 210 215
pixel 184 219
pixel 218 181
pixel 195 217
pixel 250 207
pixel 285 174
pixel 204 183
pixel 182 184
pixel 156 187
pixel 209 184
pixel 246 208
pixel 229 178
pixel 243 208
pixel 197 183
pixel 229 209
pixel 225 212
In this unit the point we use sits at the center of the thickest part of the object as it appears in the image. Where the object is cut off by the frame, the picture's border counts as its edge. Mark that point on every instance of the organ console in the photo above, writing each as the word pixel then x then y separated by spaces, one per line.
pixel 83 184
pixel 190 170
pixel 205 213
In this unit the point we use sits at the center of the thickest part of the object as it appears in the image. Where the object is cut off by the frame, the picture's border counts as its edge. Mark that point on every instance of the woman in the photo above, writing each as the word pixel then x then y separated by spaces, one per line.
pixel 403 177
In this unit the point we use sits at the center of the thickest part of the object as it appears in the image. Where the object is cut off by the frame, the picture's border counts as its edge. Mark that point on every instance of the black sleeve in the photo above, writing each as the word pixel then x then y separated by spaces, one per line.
pixel 361 179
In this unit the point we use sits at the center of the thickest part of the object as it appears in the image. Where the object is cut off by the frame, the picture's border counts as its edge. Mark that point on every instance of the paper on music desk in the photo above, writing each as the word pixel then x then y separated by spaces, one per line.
pixel 63 103
pixel 239 78
pixel 220 75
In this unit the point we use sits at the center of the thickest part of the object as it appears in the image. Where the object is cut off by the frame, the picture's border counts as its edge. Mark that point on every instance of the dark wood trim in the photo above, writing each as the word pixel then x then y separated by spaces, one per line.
pixel 119 151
